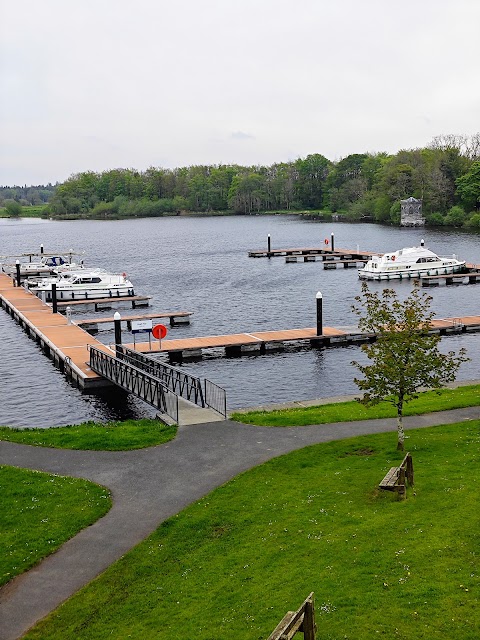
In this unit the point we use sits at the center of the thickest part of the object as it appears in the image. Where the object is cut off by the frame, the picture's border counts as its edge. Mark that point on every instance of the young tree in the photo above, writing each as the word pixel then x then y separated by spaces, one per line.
pixel 13 208
pixel 404 356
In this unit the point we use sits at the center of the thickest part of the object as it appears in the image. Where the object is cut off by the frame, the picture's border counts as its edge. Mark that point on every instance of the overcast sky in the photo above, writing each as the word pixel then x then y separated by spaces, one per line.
pixel 102 84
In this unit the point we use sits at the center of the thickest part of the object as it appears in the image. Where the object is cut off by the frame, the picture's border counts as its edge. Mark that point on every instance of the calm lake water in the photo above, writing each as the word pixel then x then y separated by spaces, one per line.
pixel 201 265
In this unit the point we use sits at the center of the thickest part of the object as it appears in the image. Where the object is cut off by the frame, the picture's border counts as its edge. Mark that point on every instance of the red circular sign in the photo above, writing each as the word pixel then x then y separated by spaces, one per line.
pixel 159 331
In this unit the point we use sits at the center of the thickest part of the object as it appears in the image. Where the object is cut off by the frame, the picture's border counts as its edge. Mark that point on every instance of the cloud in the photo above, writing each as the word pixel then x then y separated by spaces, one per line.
pixel 298 76
pixel 240 135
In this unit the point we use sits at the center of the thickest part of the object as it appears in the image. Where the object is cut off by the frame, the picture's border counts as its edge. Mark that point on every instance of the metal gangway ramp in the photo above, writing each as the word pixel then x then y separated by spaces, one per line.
pixel 156 383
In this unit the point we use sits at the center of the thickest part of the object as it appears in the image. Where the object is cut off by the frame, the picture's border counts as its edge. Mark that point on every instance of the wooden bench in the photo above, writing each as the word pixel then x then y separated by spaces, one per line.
pixel 300 621
pixel 396 478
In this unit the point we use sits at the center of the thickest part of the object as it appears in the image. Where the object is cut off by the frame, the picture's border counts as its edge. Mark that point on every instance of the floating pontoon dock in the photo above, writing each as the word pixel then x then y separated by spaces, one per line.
pixel 261 342
pixel 66 344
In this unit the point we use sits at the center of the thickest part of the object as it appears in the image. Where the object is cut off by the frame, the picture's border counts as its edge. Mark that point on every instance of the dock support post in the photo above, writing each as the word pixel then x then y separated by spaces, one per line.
pixel 17 265
pixel 332 241
pixel 319 314
pixel 117 321
pixel 269 246
pixel 54 298
pixel 41 249
pixel 69 315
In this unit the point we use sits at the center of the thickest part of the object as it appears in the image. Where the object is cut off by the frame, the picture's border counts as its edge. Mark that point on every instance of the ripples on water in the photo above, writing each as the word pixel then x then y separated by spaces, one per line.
pixel 201 265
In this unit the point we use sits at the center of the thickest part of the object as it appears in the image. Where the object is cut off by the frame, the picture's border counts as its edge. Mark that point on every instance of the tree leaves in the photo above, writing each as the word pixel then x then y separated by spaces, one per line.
pixel 405 355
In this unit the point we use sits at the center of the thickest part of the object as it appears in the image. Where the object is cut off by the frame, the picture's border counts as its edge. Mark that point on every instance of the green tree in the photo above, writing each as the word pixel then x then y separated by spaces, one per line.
pixel 456 217
pixel 312 173
pixel 404 356
pixel 468 187
pixel 13 208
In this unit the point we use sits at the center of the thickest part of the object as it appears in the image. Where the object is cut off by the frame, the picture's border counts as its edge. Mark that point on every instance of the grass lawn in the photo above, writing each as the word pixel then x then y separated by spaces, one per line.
pixel 33 517
pixel 36 211
pixel 112 436
pixel 231 565
pixel 427 402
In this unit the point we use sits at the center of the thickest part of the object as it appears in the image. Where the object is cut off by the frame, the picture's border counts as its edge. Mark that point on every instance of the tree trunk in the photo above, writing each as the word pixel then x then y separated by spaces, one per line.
pixel 400 432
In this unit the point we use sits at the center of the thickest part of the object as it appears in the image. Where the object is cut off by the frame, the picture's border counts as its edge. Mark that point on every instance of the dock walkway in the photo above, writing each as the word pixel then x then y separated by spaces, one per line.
pixel 176 317
pixel 263 341
pixel 106 303
pixel 66 344
pixel 322 252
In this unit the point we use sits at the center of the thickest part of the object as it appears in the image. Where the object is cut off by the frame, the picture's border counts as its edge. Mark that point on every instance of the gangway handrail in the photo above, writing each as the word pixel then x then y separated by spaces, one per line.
pixel 141 383
pixel 177 381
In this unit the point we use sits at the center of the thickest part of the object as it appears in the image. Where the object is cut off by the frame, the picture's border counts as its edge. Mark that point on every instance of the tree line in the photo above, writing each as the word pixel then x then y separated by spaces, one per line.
pixel 27 196
pixel 445 175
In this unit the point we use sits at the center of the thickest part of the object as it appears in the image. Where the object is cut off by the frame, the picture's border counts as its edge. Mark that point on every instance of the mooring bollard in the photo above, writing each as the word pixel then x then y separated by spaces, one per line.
pixel 319 314
pixel 117 321
pixel 269 246
pixel 69 315
pixel 332 241
pixel 54 298
pixel 41 249
pixel 17 265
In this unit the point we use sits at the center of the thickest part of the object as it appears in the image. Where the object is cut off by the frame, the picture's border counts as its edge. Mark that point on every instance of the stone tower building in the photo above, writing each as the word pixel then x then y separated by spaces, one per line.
pixel 411 213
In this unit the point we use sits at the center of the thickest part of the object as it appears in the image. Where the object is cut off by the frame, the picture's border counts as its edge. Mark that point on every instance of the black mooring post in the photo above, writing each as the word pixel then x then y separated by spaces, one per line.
pixel 319 314
pixel 41 249
pixel 118 327
pixel 269 245
pixel 54 298
pixel 332 241
pixel 17 265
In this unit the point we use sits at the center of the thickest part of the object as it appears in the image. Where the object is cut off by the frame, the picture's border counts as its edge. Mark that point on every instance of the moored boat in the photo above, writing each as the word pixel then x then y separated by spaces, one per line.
pixel 83 284
pixel 410 262
pixel 46 266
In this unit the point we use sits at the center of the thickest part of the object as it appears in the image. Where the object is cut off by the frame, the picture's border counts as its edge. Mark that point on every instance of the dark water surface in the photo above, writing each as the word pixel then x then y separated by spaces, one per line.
pixel 201 265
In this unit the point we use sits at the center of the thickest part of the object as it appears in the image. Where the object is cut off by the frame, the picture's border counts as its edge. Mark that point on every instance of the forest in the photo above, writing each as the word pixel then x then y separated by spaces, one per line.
pixel 368 186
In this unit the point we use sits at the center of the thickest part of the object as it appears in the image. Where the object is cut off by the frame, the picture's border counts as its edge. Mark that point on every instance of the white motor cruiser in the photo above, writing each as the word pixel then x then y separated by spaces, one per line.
pixel 410 262
pixel 83 284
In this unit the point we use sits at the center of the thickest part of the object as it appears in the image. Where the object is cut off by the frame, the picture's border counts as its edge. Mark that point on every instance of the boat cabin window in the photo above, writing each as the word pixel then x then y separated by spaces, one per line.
pixel 429 259
pixel 88 280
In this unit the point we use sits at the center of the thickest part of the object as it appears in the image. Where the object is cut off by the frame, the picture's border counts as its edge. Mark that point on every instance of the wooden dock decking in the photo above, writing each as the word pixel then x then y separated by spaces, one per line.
pixel 176 317
pixel 313 251
pixel 262 341
pixel 471 277
pixel 137 301
pixel 66 344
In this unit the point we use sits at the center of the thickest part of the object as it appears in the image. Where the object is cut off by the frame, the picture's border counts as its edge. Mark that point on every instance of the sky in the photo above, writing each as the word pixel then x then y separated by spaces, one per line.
pixel 93 85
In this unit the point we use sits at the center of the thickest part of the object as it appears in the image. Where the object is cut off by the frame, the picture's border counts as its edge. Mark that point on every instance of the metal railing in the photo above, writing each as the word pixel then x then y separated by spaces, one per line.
pixel 177 381
pixel 135 380
pixel 215 397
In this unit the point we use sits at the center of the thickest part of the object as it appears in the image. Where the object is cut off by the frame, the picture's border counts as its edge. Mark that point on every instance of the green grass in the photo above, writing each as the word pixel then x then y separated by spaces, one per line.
pixel 231 565
pixel 39 513
pixel 36 211
pixel 427 402
pixel 113 436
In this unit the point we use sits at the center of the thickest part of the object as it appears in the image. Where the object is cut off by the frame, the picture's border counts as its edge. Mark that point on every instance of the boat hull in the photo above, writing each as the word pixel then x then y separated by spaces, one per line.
pixel 406 274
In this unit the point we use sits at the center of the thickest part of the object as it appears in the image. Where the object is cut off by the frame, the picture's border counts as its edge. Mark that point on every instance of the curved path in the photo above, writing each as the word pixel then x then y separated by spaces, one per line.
pixel 148 486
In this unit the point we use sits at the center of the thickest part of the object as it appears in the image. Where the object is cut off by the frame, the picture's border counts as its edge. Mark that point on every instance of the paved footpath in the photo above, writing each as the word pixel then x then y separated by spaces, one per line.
pixel 148 486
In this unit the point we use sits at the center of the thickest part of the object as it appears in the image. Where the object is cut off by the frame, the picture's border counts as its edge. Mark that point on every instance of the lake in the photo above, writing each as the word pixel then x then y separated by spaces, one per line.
pixel 200 264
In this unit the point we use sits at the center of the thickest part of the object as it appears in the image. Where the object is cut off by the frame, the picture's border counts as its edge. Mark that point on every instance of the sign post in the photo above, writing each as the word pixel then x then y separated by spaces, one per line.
pixel 142 326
